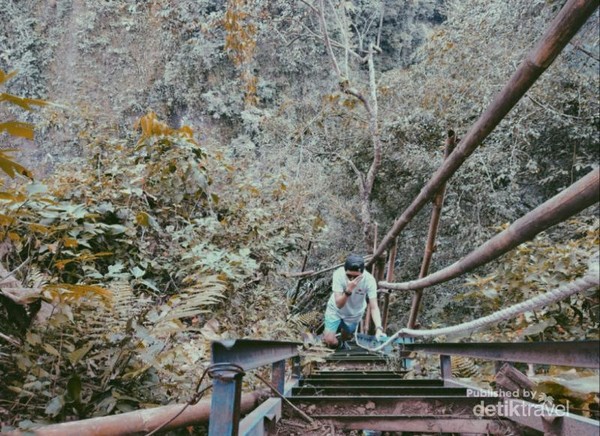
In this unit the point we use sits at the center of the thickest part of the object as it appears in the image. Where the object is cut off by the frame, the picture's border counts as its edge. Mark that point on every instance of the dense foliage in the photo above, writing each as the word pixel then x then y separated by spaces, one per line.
pixel 128 252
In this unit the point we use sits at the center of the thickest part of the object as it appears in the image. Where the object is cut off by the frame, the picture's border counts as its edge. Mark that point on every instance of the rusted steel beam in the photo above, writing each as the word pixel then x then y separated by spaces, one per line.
pixel 394 405
pixel 415 391
pixel 538 418
pixel 357 373
pixel 566 24
pixel 581 354
pixel 250 354
pixel 146 420
pixel 434 222
pixel 230 358
pixel 415 423
pixel 577 197
pixel 371 381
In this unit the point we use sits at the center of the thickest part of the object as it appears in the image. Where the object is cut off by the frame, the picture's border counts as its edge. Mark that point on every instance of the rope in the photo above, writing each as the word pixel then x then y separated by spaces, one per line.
pixel 590 280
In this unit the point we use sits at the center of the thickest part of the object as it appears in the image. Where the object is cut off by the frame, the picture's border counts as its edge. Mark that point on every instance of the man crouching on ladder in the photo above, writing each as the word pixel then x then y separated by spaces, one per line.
pixel 347 304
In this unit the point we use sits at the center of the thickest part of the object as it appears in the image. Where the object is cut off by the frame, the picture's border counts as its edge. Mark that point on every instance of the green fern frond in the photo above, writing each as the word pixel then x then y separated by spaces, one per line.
pixel 464 367
pixel 310 319
pixel 196 299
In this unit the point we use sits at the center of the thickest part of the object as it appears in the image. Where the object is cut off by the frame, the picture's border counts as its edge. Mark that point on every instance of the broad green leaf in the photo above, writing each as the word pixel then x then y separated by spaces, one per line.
pixel 17 128
pixel 74 388
pixel 51 350
pixel 137 272
pixel 10 167
pixel 23 102
pixel 5 76
pixel 33 338
pixel 142 219
pixel 76 355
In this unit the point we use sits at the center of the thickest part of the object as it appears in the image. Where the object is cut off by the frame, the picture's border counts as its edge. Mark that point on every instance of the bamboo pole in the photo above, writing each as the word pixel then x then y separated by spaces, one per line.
pixel 580 195
pixel 566 24
pixel 389 278
pixel 434 222
pixel 331 268
pixel 366 325
pixel 144 421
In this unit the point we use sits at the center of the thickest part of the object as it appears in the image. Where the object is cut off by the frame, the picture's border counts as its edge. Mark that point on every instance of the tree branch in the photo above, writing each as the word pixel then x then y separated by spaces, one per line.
pixel 326 39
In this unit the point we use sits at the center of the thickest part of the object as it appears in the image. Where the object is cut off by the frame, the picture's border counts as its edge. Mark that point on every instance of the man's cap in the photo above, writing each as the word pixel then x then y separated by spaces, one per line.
pixel 354 262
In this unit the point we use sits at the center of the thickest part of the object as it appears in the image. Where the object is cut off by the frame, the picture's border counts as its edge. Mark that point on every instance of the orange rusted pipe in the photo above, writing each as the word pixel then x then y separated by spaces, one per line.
pixel 144 421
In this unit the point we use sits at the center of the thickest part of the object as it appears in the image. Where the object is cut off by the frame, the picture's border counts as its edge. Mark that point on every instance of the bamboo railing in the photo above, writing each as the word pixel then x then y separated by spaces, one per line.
pixel 579 196
pixel 569 20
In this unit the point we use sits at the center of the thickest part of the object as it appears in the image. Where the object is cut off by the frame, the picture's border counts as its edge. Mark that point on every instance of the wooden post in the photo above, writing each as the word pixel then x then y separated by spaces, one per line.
pixel 385 307
pixel 434 222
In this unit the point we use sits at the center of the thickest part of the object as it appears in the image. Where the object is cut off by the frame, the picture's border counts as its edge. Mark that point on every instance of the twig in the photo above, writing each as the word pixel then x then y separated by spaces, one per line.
pixel 290 275
pixel 309 5
pixel 577 46
pixel 15 270
pixel 10 340
pixel 326 38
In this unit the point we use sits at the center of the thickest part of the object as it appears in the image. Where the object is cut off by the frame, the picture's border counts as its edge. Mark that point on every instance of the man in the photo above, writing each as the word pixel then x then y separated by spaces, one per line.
pixel 345 308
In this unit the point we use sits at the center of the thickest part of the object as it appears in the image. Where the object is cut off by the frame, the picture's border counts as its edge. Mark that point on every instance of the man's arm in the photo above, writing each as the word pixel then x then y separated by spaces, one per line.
pixel 375 314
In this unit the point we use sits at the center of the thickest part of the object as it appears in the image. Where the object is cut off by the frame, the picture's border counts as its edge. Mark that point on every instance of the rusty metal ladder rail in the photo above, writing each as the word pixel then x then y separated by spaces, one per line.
pixel 382 400
pixel 230 358
pixel 371 399
pixel 576 354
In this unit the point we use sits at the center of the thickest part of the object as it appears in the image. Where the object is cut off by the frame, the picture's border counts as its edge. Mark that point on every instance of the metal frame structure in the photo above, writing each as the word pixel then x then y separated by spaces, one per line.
pixel 580 354
pixel 230 359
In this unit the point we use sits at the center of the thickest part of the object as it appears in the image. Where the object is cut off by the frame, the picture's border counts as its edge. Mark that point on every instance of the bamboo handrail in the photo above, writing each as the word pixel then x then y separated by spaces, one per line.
pixel 566 24
pixel 580 195
pixel 144 420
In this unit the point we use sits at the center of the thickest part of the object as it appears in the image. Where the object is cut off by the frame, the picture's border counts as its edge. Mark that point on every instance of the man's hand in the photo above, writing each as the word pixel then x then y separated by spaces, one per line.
pixel 380 334
pixel 353 284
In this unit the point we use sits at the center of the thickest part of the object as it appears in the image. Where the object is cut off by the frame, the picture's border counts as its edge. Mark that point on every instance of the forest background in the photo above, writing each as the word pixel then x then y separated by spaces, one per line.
pixel 190 151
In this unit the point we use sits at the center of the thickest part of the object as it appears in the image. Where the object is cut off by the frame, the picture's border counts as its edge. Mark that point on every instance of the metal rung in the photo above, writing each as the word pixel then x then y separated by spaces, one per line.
pixel 393 405
pixel 359 373
pixel 369 381
pixel 355 359
pixel 377 390
pixel 416 423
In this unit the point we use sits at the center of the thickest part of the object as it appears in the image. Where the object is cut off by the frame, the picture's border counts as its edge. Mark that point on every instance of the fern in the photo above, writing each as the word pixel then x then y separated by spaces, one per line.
pixel 465 367
pixel 197 298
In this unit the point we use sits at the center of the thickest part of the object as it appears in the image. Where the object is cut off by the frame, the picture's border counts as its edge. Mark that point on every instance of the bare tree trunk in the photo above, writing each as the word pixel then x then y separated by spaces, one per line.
pixel 365 182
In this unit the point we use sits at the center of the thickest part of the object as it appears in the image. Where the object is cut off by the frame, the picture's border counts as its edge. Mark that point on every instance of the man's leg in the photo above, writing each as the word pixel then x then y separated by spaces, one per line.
pixel 331 327
pixel 347 330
